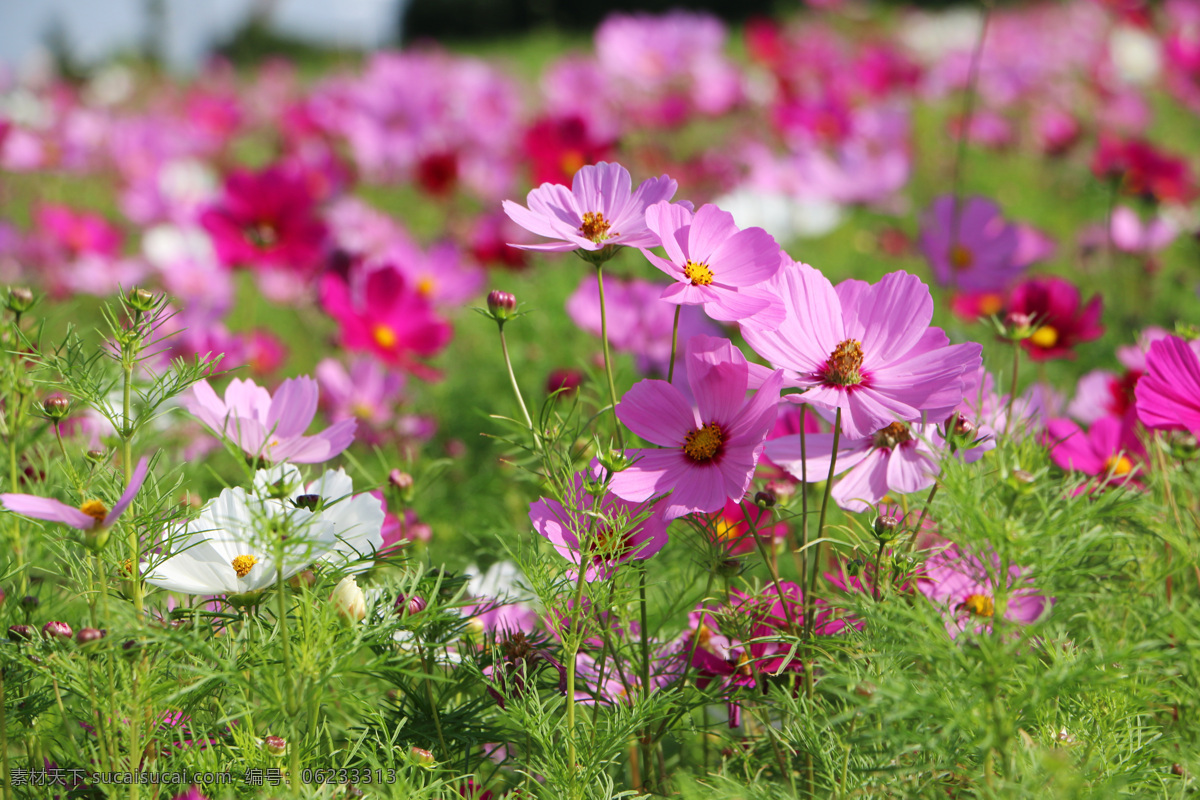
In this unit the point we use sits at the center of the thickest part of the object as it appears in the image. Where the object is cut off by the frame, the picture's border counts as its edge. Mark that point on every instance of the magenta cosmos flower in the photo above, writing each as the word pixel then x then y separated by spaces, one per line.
pixel 92 514
pixel 899 458
pixel 715 264
pixel 708 453
pixel 382 313
pixel 1168 395
pixel 866 349
pixel 270 428
pixel 965 589
pixel 1110 450
pixel 1054 304
pixel 266 219
pixel 974 249
pixel 598 211
pixel 611 534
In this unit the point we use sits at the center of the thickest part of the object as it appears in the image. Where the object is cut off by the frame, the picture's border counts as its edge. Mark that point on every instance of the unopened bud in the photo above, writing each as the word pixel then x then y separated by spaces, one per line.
pixel 56 407
pixel 20 299
pixel 729 568
pixel 57 630
pixel 20 633
pixel 97 456
pixel 88 635
pixel 312 502
pixel 614 461
pixel 348 600
pixel 960 425
pixel 401 480
pixel 275 745
pixel 886 526
pixel 422 758
pixel 765 498
pixel 563 381
pixel 29 602
pixel 502 305
pixel 96 538
pixel 141 300
pixel 1022 476
pixel 409 604
pixel 304 578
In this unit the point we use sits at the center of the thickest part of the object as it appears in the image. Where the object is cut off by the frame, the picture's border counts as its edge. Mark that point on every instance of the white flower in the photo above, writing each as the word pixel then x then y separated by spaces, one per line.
pixel 357 520
pixel 233 546
pixel 348 599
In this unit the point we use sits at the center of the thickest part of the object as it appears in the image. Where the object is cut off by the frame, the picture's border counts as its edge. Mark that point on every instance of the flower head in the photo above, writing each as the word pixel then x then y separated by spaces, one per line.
pixel 708 453
pixel 971 246
pixel 1109 450
pixel 1054 304
pixel 92 514
pixel 966 590
pixel 1168 395
pixel 598 210
pixel 866 349
pixel 270 428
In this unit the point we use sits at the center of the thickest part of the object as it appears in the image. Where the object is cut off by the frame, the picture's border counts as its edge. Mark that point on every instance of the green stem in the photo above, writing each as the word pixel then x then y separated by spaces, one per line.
pixel 647 739
pixel 516 389
pixel 572 653
pixel 18 548
pixel 812 584
pixel 135 556
pixel 433 706
pixel 674 345
pixel 4 740
pixel 1012 389
pixel 293 746
pixel 608 371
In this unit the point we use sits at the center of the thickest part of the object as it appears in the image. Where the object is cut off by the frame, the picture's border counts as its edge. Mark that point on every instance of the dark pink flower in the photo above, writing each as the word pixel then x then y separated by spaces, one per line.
pixel 92 514
pixel 736 523
pixel 1054 304
pixel 708 453
pixel 1110 449
pixel 1168 395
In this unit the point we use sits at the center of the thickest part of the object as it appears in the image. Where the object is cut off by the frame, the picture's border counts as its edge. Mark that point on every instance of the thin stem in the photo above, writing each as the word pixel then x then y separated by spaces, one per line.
pixel 135 556
pixel 516 389
pixel 644 633
pixel 812 584
pixel 573 651
pixel 608 371
pixel 912 542
pixel 4 740
pixel 1012 389
pixel 18 548
pixel 293 747
pixel 674 345
pixel 433 707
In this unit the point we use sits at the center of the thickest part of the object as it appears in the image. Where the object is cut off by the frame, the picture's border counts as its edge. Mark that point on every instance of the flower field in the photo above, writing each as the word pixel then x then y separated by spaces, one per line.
pixel 801 408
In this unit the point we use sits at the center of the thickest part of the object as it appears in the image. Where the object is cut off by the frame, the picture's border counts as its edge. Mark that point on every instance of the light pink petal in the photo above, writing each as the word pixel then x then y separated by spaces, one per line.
pixel 48 509
pixel 894 314
pixel 745 259
pixel 603 188
pixel 293 407
pixel 710 229
pixel 135 484
pixel 910 470
pixel 812 328
pixel 653 472
pixel 818 448
pixel 669 267
pixel 716 373
pixel 757 418
pixel 665 220
pixel 864 485
pixel 751 307
pixel 657 412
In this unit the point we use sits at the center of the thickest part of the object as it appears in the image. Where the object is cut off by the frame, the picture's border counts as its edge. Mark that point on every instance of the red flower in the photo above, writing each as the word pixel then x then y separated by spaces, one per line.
pixel 558 146
pixel 1144 170
pixel 1054 304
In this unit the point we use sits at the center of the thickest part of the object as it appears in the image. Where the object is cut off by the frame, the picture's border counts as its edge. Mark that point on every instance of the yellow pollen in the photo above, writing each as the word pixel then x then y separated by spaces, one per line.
pixel 1045 336
pixel 595 227
pixel 960 257
pixel 703 444
pixel 572 160
pixel 1118 465
pixel 743 665
pixel 127 566
pixel 384 336
pixel 95 509
pixel 990 304
pixel 703 635
pixel 844 365
pixel 893 435
pixel 698 274
pixel 980 605
pixel 243 564
pixel 727 530
pixel 425 286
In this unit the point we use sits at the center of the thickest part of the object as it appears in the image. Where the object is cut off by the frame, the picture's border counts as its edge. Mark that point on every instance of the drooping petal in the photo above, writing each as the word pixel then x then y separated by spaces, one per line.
pixel 136 479
pixel 48 509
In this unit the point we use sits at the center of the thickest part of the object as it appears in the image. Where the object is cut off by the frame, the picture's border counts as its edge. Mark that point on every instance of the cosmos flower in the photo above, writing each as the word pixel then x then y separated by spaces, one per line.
pixel 598 211
pixel 715 264
pixel 1168 395
pixel 1054 304
pixel 973 247
pixel 270 428
pixel 965 589
pixel 708 453
pixel 866 349
pixel 579 524
pixel 92 514
pixel 1109 450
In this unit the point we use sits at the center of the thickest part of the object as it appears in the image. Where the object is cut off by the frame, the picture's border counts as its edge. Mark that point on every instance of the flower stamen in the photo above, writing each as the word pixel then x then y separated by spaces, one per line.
pixel 243 564
pixel 95 509
pixel 960 257
pixel 1118 466
pixel 384 336
pixel 595 227
pixel 893 436
pixel 704 444
pixel 698 274
pixel 980 605
pixel 844 365
pixel 1045 337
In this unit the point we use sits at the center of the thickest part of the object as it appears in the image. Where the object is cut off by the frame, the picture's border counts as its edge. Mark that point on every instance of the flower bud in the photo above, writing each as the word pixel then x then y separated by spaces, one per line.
pixel 305 577
pixel 275 745
pixel 1022 476
pixel 614 461
pixel 400 480
pixel 57 630
pixel 959 425
pixel 88 635
pixel 97 456
pixel 729 568
pixel 422 758
pixel 29 602
pixel 501 304
pixel 765 499
pixel 348 600
pixel 887 526
pixel 312 502
pixel 20 299
pixel 141 300
pixel 19 633
pixel 95 538
pixel 409 604
pixel 57 407
pixel 564 381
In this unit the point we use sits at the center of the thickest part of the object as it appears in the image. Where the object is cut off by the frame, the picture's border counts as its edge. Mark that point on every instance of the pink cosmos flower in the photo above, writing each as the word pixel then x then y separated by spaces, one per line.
pixel 370 393
pixel 380 313
pixel 1168 395
pixel 270 428
pixel 864 348
pixel 92 514
pixel 965 589
pixel 598 211
pixel 1110 450
pixel 736 523
pixel 574 526
pixel 266 219
pixel 900 458
pixel 1054 303
pixel 975 249
pixel 710 452
pixel 714 263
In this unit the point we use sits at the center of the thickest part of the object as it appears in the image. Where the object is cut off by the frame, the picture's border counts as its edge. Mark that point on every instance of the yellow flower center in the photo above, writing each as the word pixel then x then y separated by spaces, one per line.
pixel 243 564
pixel 425 287
pixel 727 530
pixel 960 257
pixel 1118 465
pixel 893 435
pixel 384 336
pixel 595 227
pixel 990 304
pixel 844 365
pixel 980 605
pixel 1045 336
pixel 95 509
pixel 703 444
pixel 698 274
pixel 572 160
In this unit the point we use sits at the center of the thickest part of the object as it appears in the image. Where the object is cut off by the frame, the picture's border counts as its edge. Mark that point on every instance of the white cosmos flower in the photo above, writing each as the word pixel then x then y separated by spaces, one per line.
pixel 357 520
pixel 233 546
